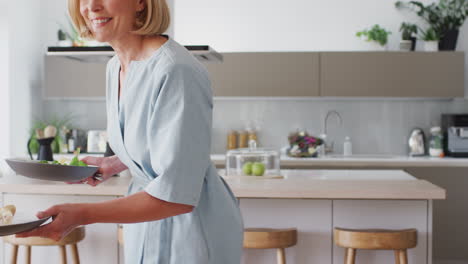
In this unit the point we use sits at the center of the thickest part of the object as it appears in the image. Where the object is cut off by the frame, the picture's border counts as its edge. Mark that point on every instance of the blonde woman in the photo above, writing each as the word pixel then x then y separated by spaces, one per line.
pixel 159 108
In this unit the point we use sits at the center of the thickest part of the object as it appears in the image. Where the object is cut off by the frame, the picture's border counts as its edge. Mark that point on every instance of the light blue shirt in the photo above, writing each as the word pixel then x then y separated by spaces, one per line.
pixel 161 130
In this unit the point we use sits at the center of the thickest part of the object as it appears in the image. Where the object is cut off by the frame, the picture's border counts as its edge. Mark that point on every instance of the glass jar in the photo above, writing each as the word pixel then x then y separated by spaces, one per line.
pixel 436 143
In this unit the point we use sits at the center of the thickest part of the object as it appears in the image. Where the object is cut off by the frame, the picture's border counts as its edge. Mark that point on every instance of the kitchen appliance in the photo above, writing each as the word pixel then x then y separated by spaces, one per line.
pixel 253 162
pixel 455 130
pixel 417 143
pixel 76 139
pixel 203 53
pixel 97 141
pixel 45 149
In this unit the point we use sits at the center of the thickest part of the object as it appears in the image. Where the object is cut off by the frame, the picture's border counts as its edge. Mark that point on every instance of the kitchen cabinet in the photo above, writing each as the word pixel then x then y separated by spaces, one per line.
pixel 316 219
pixel 266 74
pixel 293 74
pixel 65 77
pixel 392 74
pixel 99 246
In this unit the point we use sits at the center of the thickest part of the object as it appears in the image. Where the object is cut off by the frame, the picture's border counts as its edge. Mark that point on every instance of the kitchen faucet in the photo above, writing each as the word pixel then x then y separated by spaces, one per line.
pixel 328 145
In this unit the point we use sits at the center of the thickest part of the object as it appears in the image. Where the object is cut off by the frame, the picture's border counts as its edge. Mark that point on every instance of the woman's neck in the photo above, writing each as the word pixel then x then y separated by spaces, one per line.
pixel 136 47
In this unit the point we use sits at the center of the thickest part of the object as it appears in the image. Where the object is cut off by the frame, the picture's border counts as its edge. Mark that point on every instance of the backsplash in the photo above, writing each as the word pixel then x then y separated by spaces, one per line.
pixel 375 126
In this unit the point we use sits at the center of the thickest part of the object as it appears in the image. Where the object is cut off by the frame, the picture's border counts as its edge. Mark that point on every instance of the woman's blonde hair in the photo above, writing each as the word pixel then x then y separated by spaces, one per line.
pixel 154 19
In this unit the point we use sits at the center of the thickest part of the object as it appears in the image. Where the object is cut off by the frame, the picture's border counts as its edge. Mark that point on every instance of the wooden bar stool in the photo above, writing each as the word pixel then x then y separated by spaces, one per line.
pixel 72 239
pixel 265 238
pixel 397 240
pixel 120 235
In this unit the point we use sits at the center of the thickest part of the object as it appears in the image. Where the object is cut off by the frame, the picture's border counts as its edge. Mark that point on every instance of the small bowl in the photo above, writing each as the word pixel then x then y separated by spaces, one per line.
pixel 51 172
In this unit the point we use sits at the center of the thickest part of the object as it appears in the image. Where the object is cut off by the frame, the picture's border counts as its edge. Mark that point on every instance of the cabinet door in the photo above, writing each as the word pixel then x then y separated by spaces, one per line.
pixel 266 74
pixel 100 244
pixel 363 214
pixel 65 77
pixel 392 74
pixel 312 218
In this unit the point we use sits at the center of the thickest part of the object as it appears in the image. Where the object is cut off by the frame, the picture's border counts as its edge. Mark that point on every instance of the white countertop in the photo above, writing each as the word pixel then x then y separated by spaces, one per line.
pixel 360 162
pixel 299 184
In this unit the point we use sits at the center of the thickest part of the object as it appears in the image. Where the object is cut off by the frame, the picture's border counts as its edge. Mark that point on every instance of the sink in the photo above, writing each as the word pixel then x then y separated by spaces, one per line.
pixel 363 156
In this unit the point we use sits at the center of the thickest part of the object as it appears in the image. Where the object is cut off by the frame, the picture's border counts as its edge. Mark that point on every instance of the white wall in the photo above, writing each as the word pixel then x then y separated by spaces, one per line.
pixel 26 53
pixel 275 25
pixel 4 82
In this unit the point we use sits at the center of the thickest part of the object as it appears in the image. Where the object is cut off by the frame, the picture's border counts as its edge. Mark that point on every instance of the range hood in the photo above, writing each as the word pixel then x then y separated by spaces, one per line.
pixel 101 54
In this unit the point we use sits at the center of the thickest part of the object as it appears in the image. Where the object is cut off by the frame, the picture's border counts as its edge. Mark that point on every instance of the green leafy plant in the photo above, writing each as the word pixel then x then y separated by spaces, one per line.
pixel 65 121
pixel 429 35
pixel 407 30
pixel 376 33
pixel 442 16
pixel 70 32
pixel 61 35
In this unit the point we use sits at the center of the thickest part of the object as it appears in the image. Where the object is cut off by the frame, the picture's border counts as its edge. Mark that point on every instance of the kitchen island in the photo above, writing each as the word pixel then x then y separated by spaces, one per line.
pixel 314 202
pixel 361 161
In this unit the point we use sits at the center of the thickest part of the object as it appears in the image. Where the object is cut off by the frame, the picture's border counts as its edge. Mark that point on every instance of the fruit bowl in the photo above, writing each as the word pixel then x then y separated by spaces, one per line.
pixel 252 162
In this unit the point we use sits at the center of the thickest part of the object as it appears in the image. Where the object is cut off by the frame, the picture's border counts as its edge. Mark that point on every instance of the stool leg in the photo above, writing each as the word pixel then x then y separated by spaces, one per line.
pixel 28 254
pixel 281 256
pixel 76 256
pixel 402 256
pixel 397 256
pixel 14 254
pixel 350 256
pixel 63 253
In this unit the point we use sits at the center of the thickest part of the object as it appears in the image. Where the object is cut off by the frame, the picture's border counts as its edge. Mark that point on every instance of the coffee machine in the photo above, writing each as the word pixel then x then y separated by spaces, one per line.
pixel 455 129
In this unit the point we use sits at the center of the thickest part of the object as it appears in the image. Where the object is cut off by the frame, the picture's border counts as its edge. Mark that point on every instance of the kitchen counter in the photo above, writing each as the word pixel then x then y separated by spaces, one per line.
pixel 361 162
pixel 299 184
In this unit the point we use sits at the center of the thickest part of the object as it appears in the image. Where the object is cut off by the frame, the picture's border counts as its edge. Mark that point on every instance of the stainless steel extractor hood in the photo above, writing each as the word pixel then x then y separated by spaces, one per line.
pixel 102 54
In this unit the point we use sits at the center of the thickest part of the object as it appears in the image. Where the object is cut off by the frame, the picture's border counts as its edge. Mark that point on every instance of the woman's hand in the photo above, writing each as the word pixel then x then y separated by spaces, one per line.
pixel 65 218
pixel 108 166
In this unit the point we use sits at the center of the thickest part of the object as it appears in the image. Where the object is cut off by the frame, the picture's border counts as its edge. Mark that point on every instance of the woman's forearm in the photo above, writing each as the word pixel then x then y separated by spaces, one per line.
pixel 116 165
pixel 139 207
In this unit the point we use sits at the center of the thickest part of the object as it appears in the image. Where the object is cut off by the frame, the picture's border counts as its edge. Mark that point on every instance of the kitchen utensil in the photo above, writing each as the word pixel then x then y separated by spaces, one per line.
pixel 21 224
pixel 45 149
pixel 50 131
pixel 51 172
pixel 416 143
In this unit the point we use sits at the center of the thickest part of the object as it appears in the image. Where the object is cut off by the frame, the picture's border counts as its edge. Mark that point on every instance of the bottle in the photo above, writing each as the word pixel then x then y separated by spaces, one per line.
pixel 252 136
pixel 347 147
pixel 243 139
pixel 435 143
pixel 232 140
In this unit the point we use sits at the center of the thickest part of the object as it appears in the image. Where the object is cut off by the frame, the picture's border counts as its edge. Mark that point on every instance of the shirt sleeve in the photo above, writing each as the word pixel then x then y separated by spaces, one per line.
pixel 179 135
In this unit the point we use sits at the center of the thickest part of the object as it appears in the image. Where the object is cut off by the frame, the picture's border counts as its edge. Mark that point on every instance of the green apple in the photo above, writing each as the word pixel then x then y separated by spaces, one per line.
pixel 258 169
pixel 247 168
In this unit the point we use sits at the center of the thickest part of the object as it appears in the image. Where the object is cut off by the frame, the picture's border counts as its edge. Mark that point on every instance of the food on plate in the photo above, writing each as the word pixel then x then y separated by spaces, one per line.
pixel 74 162
pixel 6 214
pixel 258 169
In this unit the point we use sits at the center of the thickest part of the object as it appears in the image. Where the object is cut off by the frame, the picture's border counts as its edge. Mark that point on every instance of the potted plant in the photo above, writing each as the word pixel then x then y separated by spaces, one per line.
pixel 376 35
pixel 408 41
pixel 445 17
pixel 431 39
